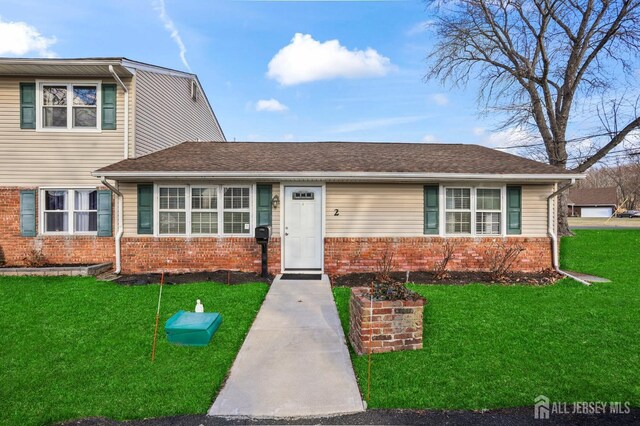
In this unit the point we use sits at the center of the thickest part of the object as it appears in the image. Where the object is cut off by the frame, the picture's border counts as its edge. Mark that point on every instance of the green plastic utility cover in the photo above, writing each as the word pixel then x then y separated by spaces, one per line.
pixel 191 328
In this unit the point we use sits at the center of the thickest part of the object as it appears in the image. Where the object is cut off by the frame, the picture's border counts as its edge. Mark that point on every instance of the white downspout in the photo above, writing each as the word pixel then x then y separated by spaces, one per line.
pixel 126 110
pixel 120 220
pixel 554 236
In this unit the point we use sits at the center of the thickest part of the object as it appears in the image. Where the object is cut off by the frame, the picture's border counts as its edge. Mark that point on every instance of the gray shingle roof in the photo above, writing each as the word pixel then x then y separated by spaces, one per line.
pixel 607 196
pixel 331 157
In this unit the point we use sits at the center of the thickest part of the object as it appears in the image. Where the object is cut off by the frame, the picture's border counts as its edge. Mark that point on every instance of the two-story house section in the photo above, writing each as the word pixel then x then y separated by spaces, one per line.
pixel 60 119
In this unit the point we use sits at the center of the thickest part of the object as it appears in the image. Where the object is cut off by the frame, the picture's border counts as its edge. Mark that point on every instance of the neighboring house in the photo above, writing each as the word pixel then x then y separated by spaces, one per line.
pixel 334 207
pixel 63 118
pixel 592 202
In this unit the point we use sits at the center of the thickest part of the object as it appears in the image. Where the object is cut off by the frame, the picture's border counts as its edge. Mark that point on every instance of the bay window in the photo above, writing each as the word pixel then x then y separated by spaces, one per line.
pixel 69 211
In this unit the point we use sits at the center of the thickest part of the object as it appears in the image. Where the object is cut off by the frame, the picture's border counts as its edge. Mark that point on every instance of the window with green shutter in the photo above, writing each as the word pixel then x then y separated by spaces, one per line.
pixel 263 206
pixel 109 92
pixel 431 210
pixel 145 209
pixel 28 213
pixel 514 210
pixel 27 105
pixel 104 214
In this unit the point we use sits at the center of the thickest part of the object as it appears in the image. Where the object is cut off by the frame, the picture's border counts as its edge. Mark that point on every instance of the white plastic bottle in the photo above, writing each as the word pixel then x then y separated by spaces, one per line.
pixel 199 306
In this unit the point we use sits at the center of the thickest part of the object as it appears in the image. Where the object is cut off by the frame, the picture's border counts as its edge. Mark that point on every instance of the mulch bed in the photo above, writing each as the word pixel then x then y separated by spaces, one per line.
pixel 452 278
pixel 222 276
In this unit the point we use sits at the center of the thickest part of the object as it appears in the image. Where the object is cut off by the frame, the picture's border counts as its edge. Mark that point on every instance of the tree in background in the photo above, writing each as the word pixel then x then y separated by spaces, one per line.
pixel 624 175
pixel 554 68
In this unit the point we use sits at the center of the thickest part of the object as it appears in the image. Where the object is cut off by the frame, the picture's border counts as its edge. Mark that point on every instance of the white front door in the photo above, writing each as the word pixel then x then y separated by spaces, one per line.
pixel 303 228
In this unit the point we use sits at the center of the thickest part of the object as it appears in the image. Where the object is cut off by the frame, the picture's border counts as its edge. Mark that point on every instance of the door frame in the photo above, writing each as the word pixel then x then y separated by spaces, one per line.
pixel 323 222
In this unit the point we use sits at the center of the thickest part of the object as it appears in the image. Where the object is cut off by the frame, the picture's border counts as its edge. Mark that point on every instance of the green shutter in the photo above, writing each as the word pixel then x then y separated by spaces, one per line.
pixel 28 213
pixel 263 207
pixel 27 105
pixel 108 107
pixel 104 214
pixel 145 209
pixel 431 210
pixel 514 210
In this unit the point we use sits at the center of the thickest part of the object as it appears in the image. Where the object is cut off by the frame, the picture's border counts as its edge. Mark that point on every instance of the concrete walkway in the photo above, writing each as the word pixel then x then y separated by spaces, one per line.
pixel 294 361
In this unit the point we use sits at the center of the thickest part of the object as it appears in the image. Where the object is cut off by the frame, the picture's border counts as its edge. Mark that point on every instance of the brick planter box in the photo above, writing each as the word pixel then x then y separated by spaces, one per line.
pixel 394 326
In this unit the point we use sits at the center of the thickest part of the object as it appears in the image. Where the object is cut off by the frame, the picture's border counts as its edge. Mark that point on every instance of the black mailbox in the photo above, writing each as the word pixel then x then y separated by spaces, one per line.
pixel 263 233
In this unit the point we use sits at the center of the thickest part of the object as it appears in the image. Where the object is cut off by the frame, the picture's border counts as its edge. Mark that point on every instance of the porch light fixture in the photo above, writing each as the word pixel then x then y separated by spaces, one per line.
pixel 275 201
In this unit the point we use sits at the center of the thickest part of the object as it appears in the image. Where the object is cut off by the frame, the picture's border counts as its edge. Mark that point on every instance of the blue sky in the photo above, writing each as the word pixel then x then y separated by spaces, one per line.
pixel 366 86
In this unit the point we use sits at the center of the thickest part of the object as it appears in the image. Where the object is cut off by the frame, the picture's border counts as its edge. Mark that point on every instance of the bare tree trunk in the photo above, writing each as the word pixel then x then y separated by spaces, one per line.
pixel 563 222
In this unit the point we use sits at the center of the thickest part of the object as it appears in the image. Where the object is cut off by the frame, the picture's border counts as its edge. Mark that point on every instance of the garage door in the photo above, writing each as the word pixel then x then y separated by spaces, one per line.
pixel 596 211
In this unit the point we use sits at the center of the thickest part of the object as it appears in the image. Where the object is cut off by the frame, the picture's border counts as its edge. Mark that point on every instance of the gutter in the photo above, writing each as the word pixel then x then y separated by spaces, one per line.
pixel 554 236
pixel 318 175
pixel 120 222
pixel 126 111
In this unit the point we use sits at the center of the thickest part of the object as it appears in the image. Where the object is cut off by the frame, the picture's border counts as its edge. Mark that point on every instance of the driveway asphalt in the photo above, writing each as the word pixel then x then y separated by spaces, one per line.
pixel 505 417
pixel 294 361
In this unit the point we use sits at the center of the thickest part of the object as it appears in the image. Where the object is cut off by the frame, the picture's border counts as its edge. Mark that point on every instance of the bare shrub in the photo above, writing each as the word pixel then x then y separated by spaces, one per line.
pixel 386 264
pixel 35 258
pixel 500 258
pixel 440 271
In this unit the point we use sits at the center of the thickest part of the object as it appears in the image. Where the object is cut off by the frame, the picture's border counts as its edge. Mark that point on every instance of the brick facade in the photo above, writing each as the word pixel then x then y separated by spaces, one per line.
pixel 56 249
pixel 393 325
pixel 175 254
pixel 347 255
pixel 342 255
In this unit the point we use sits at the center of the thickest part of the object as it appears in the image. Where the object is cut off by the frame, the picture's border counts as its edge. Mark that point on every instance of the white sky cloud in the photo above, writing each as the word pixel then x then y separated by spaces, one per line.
pixel 22 39
pixel 479 131
pixel 377 123
pixel 305 60
pixel 440 99
pixel 508 137
pixel 271 105
pixel 420 27
pixel 160 7
pixel 429 139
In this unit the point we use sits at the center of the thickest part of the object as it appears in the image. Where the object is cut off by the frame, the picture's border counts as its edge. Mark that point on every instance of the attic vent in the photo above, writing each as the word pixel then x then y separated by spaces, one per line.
pixel 303 195
pixel 194 90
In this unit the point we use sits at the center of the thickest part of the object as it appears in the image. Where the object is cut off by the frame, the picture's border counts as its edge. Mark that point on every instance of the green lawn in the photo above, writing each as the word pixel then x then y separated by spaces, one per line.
pixel 76 347
pixel 490 346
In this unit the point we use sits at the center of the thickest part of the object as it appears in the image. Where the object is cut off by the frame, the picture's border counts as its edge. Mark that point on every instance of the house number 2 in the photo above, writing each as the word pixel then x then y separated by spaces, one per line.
pixel 336 212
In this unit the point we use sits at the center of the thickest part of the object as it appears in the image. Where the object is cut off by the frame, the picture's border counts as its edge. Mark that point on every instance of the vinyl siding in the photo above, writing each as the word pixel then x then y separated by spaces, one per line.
pixel 165 114
pixel 534 209
pixel 32 158
pixel 374 210
pixel 371 210
pixel 275 213
pixel 130 208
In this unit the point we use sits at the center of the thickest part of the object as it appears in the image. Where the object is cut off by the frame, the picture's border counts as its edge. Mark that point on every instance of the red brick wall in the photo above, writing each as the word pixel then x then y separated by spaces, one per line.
pixel 392 326
pixel 346 255
pixel 56 249
pixel 174 254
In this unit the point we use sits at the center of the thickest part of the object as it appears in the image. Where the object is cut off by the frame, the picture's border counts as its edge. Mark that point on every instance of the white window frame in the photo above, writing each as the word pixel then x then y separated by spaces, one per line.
pixel 470 210
pixel 217 210
pixel 220 194
pixel 473 195
pixel 186 210
pixel 71 211
pixel 39 105
pixel 477 210
pixel 232 210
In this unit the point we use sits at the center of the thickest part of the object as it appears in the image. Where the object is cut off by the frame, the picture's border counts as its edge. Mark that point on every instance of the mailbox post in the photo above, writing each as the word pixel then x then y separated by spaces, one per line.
pixel 263 233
